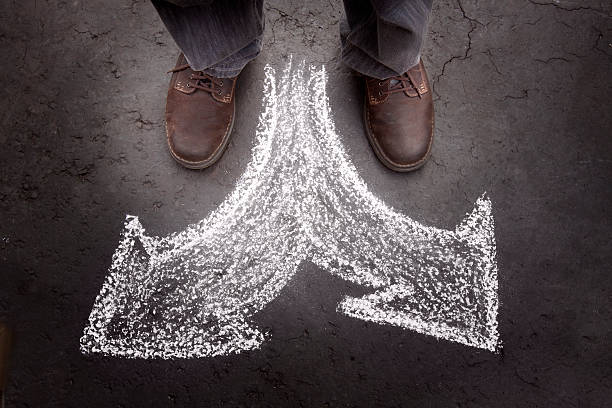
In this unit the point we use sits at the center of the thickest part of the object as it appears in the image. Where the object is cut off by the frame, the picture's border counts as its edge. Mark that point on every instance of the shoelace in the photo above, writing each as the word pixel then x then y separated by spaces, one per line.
pixel 204 81
pixel 399 83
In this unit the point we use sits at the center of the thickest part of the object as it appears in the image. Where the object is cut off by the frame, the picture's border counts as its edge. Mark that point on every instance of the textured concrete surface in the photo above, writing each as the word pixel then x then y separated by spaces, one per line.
pixel 523 96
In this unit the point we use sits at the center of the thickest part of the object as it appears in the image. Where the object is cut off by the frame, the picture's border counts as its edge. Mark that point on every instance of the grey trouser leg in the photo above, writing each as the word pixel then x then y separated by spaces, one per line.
pixel 383 38
pixel 217 37
pixel 380 38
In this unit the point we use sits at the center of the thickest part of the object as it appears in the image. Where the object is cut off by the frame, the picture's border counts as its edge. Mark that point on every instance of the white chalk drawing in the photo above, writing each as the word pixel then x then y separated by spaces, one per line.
pixel 194 293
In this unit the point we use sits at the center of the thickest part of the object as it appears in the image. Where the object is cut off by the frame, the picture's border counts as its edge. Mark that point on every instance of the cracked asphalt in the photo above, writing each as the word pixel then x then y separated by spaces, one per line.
pixel 522 98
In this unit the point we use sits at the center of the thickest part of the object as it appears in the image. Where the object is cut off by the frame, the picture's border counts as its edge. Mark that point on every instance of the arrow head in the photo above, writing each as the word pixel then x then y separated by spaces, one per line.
pixel 454 299
pixel 141 312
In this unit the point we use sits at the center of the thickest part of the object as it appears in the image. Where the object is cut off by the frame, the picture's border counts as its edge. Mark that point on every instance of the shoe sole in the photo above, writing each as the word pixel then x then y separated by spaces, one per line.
pixel 381 157
pixel 210 161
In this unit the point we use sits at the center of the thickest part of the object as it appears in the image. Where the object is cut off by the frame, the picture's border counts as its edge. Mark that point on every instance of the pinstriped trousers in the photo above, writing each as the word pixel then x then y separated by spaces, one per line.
pixel 380 38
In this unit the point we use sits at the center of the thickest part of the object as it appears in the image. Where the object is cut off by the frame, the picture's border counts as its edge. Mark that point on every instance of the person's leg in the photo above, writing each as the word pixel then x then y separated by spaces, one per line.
pixel 382 39
pixel 217 39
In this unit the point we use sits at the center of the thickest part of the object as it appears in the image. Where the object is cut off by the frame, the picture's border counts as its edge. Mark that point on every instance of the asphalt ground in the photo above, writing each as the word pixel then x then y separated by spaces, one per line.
pixel 522 98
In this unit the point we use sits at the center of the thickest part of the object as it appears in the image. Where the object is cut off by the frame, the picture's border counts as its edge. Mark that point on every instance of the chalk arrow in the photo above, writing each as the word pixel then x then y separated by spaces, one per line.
pixel 193 293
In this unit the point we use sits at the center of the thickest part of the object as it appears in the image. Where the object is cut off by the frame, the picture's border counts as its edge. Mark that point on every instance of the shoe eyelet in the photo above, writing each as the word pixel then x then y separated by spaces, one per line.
pixel 188 85
pixel 219 92
pixel 221 83
pixel 379 93
pixel 380 84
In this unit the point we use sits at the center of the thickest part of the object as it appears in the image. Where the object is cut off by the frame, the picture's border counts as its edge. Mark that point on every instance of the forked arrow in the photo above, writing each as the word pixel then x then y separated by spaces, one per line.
pixel 193 293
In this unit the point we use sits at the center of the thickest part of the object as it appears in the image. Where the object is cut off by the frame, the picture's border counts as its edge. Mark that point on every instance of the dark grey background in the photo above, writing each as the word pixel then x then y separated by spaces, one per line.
pixel 522 93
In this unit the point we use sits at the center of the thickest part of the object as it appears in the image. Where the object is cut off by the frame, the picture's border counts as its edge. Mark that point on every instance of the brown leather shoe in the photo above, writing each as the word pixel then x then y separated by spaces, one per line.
pixel 199 115
pixel 399 119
